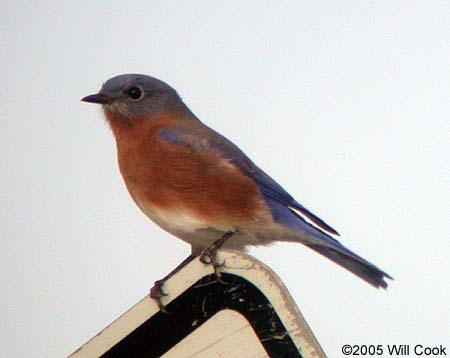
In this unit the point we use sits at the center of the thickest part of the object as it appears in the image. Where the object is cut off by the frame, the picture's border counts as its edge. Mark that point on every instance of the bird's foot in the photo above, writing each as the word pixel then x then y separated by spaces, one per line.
pixel 209 255
pixel 157 293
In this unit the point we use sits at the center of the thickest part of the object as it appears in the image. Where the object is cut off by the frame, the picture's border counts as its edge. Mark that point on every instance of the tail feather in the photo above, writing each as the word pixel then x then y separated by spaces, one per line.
pixel 354 263
pixel 299 230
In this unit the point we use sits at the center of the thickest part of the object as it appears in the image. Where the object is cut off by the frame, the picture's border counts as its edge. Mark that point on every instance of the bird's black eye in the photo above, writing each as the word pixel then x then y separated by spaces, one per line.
pixel 135 93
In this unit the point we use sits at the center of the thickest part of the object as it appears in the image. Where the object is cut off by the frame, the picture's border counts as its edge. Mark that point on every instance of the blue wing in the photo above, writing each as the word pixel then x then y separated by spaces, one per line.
pixel 200 137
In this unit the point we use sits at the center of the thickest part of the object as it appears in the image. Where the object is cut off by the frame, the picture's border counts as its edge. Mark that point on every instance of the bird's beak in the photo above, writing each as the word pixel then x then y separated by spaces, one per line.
pixel 96 98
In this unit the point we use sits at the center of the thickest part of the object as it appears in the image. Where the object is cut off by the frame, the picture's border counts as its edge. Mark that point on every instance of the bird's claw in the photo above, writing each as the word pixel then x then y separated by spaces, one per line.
pixel 208 257
pixel 156 293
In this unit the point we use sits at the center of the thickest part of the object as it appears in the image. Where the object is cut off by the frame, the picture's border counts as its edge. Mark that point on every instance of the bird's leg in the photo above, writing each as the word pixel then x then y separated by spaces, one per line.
pixel 208 255
pixel 156 292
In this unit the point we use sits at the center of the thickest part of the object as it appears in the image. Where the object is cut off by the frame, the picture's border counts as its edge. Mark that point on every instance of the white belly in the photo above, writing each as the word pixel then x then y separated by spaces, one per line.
pixel 197 232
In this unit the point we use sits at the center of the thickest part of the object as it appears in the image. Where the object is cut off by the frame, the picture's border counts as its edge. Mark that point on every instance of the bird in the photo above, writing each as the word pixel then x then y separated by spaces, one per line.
pixel 199 186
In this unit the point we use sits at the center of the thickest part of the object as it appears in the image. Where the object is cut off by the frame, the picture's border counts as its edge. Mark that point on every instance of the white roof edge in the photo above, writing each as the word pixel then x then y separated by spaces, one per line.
pixel 236 263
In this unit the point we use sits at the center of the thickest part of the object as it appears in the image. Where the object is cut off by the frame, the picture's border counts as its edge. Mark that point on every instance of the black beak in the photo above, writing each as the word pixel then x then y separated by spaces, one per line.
pixel 96 98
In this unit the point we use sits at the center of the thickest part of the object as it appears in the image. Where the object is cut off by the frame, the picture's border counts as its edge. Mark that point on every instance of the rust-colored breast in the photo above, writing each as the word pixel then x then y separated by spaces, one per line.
pixel 173 177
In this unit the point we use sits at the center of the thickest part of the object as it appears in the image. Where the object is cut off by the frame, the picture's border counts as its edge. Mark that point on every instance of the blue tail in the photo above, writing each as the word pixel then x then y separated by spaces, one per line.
pixel 354 263
pixel 327 246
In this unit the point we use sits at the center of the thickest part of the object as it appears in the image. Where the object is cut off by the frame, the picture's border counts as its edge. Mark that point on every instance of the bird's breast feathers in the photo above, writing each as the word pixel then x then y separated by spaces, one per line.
pixel 186 191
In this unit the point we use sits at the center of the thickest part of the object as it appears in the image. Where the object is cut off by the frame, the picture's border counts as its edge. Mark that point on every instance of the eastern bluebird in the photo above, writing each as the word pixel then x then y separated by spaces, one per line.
pixel 199 186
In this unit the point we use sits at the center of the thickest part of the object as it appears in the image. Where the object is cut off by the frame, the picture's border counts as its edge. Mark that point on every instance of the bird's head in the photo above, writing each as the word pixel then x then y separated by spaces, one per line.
pixel 130 96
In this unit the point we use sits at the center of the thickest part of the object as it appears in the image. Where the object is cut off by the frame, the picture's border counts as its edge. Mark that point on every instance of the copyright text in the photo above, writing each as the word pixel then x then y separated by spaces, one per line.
pixel 394 350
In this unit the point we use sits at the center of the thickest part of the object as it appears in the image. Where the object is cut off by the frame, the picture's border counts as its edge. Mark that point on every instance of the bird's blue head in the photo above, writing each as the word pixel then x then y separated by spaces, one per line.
pixel 130 96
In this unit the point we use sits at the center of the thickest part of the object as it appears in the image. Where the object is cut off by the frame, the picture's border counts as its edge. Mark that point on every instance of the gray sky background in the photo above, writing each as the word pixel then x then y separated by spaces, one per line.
pixel 344 103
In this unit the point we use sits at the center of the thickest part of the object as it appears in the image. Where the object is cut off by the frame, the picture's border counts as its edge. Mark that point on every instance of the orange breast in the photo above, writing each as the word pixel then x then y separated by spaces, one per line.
pixel 172 177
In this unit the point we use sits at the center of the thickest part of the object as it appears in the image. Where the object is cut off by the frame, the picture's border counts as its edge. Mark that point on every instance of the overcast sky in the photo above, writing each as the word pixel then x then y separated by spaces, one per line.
pixel 346 104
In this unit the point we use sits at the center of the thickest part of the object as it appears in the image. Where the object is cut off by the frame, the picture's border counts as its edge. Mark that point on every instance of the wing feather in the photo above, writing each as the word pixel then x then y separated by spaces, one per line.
pixel 199 138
